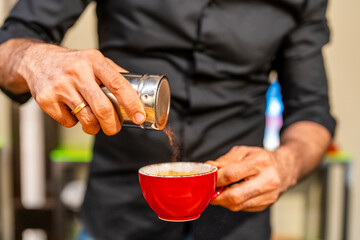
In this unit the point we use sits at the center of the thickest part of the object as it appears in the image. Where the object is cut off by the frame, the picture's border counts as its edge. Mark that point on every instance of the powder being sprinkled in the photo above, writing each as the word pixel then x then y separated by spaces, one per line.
pixel 170 134
pixel 175 146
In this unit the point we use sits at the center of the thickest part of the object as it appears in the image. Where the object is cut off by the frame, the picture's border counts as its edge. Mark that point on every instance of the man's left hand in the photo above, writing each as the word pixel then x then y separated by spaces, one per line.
pixel 254 177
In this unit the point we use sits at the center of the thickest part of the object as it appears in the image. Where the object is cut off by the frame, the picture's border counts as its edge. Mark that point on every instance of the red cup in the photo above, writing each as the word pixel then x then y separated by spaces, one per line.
pixel 179 198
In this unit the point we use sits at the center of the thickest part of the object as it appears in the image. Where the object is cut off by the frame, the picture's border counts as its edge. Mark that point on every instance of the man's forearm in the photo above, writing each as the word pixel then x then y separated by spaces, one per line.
pixel 61 79
pixel 302 147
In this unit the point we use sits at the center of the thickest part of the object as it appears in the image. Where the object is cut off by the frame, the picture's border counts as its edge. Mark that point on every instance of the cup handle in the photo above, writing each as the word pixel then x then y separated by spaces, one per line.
pixel 218 191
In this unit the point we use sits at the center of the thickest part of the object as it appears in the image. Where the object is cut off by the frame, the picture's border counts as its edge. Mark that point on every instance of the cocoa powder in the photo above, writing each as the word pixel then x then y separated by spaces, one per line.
pixel 173 143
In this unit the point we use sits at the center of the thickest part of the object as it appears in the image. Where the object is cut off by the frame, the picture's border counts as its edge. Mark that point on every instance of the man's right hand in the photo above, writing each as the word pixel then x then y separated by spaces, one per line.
pixel 60 79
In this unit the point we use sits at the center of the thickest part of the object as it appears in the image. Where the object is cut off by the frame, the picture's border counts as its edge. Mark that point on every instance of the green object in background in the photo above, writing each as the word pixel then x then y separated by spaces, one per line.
pixel 338 157
pixel 70 155
pixel 1 143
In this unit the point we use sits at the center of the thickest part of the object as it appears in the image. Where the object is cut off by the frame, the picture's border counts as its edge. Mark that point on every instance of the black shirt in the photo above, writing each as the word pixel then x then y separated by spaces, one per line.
pixel 217 56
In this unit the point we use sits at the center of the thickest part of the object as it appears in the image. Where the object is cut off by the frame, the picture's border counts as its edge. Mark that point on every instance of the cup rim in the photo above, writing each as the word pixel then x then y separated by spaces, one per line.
pixel 141 170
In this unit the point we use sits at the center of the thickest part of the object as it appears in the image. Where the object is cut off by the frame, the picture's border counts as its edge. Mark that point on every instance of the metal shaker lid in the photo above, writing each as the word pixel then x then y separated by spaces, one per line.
pixel 162 103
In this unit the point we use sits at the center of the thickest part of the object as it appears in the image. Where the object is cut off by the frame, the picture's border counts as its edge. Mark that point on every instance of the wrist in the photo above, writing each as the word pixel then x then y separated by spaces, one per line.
pixel 288 164
pixel 11 68
pixel 29 54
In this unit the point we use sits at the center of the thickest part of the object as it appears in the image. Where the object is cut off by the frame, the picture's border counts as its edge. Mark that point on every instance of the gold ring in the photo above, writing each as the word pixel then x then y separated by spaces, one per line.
pixel 78 108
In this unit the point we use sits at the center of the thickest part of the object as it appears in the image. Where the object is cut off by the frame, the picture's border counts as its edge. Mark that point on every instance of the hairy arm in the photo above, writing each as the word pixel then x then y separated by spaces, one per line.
pixel 60 79
pixel 302 148
pixel 11 54
pixel 255 177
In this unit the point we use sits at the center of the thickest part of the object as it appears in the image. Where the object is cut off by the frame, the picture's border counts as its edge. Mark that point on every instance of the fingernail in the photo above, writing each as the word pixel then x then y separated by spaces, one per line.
pixel 139 117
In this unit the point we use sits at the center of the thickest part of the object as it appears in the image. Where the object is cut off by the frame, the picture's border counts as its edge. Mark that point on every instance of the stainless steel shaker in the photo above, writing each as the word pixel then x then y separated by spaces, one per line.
pixel 154 92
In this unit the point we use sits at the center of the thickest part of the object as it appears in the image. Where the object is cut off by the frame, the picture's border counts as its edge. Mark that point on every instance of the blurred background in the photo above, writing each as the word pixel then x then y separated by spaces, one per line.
pixel 42 182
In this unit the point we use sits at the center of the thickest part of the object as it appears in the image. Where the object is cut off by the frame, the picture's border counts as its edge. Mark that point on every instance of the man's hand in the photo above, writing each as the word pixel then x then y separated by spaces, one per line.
pixel 256 180
pixel 60 80
pixel 256 177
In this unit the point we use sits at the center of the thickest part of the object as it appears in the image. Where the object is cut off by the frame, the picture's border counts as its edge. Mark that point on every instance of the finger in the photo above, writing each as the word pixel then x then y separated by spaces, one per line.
pixel 60 113
pixel 56 109
pixel 237 153
pixel 236 172
pixel 120 87
pixel 99 104
pixel 256 209
pixel 66 119
pixel 115 66
pixel 89 123
pixel 234 196
pixel 71 99
pixel 260 203
pixel 255 204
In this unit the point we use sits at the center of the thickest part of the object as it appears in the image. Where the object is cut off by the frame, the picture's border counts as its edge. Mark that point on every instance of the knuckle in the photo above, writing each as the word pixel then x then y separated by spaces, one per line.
pixel 273 198
pixel 92 130
pixel 274 182
pixel 89 120
pixel 255 192
pixel 91 53
pixel 265 159
pixel 253 166
pixel 265 162
pixel 114 129
pixel 248 205
pixel 262 208
pixel 68 123
pixel 234 208
pixel 80 65
pixel 256 208
pixel 64 121
pixel 116 83
pixel 43 98
pixel 102 112
pixel 243 148
pixel 238 148
pixel 230 175
pixel 235 148
pixel 111 132
pixel 233 199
